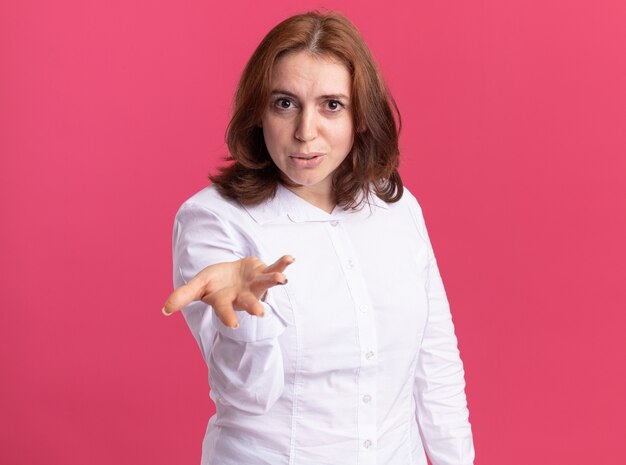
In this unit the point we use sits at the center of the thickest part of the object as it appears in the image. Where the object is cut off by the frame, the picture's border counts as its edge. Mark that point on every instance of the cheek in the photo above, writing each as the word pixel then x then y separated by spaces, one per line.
pixel 275 132
pixel 270 135
pixel 343 136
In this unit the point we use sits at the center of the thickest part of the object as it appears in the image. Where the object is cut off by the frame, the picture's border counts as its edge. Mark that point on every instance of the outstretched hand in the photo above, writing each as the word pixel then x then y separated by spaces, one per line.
pixel 231 285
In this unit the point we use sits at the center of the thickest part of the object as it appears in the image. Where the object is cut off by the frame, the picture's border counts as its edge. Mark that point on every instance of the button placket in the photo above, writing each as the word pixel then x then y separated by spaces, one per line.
pixel 366 384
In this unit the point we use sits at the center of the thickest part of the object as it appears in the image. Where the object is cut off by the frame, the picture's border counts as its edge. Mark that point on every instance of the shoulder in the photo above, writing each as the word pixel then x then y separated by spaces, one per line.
pixel 406 202
pixel 210 203
pixel 209 221
pixel 409 209
pixel 211 200
pixel 209 213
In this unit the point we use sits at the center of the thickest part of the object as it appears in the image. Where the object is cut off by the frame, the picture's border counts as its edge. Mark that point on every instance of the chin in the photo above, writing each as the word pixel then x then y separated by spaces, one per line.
pixel 305 182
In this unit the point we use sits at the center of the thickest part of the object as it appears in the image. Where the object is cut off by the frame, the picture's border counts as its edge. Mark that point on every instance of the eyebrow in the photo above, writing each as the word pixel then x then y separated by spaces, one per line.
pixel 321 97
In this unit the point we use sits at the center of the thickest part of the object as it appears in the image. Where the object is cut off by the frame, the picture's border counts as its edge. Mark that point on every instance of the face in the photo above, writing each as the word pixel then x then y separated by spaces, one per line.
pixel 307 125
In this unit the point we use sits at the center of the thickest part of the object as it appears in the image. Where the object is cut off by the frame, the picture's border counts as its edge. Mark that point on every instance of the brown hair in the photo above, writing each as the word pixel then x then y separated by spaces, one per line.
pixel 373 160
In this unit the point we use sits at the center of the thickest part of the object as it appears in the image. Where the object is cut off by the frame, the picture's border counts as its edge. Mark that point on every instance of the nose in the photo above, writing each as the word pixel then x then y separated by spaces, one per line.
pixel 306 130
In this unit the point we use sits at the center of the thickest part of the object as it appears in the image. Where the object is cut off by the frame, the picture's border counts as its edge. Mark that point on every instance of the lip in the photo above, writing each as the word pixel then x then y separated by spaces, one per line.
pixel 307 160
pixel 306 156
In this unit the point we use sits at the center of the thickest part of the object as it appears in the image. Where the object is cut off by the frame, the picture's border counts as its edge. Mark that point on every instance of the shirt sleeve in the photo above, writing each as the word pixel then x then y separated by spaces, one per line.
pixel 439 390
pixel 245 365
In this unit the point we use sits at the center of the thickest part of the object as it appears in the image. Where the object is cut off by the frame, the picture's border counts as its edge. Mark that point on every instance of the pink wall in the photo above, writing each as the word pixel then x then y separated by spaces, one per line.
pixel 113 112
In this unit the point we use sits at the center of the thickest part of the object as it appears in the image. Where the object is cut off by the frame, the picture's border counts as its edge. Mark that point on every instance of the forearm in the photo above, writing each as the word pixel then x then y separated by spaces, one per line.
pixel 245 364
pixel 248 376
pixel 441 405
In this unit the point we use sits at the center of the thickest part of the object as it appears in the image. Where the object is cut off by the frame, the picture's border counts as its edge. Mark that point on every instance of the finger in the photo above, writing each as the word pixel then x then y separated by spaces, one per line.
pixel 280 265
pixel 264 281
pixel 181 297
pixel 195 289
pixel 270 279
pixel 248 302
pixel 225 311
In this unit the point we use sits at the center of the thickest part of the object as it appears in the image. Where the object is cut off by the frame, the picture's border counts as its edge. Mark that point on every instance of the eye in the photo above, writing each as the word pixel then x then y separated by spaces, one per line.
pixel 283 103
pixel 334 105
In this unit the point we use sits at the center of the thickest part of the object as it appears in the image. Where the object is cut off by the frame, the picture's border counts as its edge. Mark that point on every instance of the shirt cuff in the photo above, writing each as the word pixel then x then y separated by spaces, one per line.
pixel 253 328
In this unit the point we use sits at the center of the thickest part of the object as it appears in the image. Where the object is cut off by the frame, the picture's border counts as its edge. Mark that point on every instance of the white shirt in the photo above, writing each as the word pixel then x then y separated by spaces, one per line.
pixel 355 361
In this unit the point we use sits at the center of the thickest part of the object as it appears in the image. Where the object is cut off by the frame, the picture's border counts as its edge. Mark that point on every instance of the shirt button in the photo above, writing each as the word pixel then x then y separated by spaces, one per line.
pixel 369 355
pixel 367 398
pixel 334 223
pixel 367 444
pixel 222 401
pixel 363 308
pixel 350 264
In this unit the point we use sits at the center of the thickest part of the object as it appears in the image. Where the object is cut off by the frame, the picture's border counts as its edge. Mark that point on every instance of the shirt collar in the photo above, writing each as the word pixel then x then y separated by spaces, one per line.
pixel 286 207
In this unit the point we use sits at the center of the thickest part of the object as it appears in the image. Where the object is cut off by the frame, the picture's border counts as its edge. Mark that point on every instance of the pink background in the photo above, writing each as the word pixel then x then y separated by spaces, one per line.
pixel 113 112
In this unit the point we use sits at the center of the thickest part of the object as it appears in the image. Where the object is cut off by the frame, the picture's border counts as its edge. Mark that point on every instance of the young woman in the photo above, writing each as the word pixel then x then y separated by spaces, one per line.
pixel 354 359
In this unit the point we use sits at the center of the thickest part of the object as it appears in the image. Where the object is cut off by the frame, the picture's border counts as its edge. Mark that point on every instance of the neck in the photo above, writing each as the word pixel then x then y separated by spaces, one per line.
pixel 324 200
